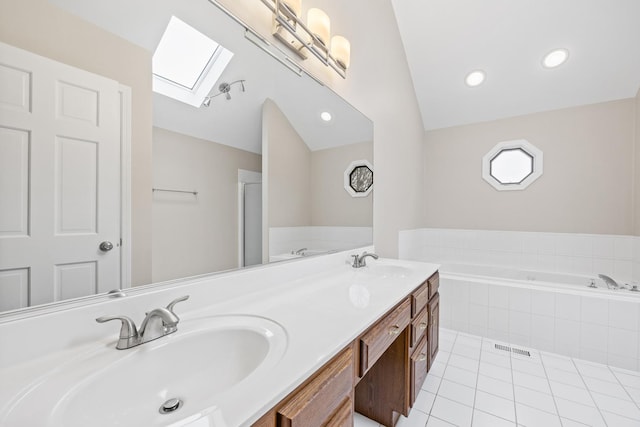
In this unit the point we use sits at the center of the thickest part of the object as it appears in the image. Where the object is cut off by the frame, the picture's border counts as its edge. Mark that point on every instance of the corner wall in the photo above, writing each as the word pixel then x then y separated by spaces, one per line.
pixel 586 187
pixel 44 29
pixel 636 178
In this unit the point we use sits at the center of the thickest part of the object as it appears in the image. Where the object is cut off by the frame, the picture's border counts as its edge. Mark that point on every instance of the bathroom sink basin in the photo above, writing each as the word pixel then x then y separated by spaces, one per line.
pixel 205 358
pixel 384 270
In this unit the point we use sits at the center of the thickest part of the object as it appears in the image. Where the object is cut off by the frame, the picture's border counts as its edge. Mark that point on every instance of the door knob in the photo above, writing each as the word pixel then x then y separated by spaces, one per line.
pixel 106 246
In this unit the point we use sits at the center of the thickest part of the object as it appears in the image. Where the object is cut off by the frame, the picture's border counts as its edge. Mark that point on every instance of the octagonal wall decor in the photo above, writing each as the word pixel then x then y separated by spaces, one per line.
pixel 358 178
pixel 512 165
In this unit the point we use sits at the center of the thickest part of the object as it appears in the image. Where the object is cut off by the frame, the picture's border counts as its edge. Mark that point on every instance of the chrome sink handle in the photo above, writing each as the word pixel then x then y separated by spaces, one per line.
pixel 175 301
pixel 128 332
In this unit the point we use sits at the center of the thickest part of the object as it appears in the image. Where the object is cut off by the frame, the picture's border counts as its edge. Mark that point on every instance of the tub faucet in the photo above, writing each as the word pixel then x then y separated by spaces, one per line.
pixel 360 260
pixel 156 324
pixel 611 284
pixel 299 252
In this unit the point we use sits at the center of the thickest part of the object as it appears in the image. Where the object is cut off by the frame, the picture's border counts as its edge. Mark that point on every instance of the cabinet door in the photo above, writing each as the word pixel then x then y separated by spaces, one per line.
pixel 434 328
pixel 419 360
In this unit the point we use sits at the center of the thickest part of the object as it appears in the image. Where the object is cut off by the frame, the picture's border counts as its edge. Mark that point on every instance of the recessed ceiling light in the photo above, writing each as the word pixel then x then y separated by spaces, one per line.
pixel 475 78
pixel 555 58
pixel 326 116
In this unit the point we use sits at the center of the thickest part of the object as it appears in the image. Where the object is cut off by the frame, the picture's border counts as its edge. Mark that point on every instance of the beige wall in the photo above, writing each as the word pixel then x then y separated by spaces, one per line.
pixel 46 30
pixel 330 202
pixel 636 177
pixel 380 86
pixel 586 186
pixel 287 165
pixel 195 234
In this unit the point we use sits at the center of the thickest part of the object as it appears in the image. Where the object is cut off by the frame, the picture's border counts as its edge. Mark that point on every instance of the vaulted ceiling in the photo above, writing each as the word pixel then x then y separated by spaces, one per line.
pixel 444 40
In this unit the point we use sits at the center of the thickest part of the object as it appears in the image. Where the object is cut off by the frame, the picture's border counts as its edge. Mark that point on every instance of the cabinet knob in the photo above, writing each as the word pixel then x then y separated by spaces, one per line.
pixel 394 330
pixel 422 357
pixel 422 326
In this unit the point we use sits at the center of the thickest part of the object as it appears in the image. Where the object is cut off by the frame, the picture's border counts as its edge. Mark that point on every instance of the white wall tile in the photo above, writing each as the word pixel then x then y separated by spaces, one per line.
pixel 594 310
pixel 623 342
pixel 574 245
pixel 479 315
pixel 479 293
pixel 499 320
pixel 623 314
pixel 543 328
pixel 603 266
pixel 568 306
pixel 519 323
pixel 594 337
pixel 498 296
pixel 623 247
pixel 543 303
pixel 567 338
pixel 520 299
pixel 603 246
pixel 623 270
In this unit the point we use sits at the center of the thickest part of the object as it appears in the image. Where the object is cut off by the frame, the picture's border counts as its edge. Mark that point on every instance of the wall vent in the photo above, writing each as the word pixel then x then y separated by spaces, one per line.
pixel 512 350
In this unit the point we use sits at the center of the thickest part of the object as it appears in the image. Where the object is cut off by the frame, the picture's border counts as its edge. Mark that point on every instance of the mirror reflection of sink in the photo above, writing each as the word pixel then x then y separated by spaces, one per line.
pixel 109 387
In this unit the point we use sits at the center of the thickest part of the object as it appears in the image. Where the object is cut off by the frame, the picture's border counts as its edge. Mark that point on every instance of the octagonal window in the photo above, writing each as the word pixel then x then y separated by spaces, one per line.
pixel 358 178
pixel 512 165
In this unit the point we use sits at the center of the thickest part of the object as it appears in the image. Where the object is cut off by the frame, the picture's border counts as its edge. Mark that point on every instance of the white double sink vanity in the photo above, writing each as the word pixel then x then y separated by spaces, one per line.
pixel 299 343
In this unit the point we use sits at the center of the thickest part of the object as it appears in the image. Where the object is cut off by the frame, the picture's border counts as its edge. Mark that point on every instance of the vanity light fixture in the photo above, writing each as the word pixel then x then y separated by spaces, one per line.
pixel 314 36
pixel 223 89
pixel 475 78
pixel 555 58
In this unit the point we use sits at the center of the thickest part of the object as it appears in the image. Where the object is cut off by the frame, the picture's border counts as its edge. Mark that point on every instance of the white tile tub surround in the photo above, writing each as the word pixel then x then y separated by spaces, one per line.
pixel 283 240
pixel 592 326
pixel 616 256
pixel 604 329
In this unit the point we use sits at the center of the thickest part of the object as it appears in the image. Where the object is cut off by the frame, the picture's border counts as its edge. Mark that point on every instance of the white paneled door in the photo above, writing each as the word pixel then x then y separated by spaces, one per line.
pixel 59 181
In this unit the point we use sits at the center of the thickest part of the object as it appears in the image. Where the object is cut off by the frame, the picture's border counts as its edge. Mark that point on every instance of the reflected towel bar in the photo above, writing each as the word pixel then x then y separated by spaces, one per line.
pixel 195 193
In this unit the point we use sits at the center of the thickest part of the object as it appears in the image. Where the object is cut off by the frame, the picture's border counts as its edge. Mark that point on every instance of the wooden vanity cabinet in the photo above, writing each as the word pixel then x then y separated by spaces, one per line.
pixel 378 375
pixel 326 400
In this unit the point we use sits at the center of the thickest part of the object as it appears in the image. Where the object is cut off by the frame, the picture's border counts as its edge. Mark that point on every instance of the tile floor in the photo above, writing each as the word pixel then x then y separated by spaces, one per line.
pixel 472 383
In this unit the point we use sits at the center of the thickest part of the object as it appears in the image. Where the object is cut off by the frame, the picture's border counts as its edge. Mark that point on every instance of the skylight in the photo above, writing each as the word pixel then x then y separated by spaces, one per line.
pixel 187 64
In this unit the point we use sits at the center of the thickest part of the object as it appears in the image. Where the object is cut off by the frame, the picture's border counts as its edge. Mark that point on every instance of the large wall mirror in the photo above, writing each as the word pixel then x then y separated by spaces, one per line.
pixel 254 176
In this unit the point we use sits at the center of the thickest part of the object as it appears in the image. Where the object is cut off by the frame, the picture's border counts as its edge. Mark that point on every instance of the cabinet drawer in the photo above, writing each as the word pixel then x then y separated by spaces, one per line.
pixel 316 403
pixel 419 298
pixel 418 368
pixel 419 327
pixel 377 339
pixel 434 284
pixel 343 416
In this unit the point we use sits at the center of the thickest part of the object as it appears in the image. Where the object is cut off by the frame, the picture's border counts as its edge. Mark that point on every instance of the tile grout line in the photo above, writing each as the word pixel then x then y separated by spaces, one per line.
pixel 623 387
pixel 589 390
pixel 553 396
pixel 513 389
pixel 475 392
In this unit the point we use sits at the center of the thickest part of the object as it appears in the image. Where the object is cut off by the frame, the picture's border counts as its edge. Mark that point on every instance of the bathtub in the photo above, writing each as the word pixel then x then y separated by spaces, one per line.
pixel 556 312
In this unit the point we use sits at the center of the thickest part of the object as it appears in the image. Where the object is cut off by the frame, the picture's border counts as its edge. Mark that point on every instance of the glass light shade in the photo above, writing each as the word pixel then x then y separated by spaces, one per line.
pixel 341 51
pixel 295 6
pixel 319 24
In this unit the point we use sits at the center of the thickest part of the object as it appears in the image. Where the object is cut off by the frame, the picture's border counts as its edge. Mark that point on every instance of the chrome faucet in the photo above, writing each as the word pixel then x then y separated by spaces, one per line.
pixel 611 284
pixel 299 252
pixel 360 260
pixel 156 324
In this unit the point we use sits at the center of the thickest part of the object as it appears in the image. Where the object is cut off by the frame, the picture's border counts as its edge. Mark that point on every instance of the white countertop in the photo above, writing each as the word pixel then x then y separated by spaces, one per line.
pixel 322 303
